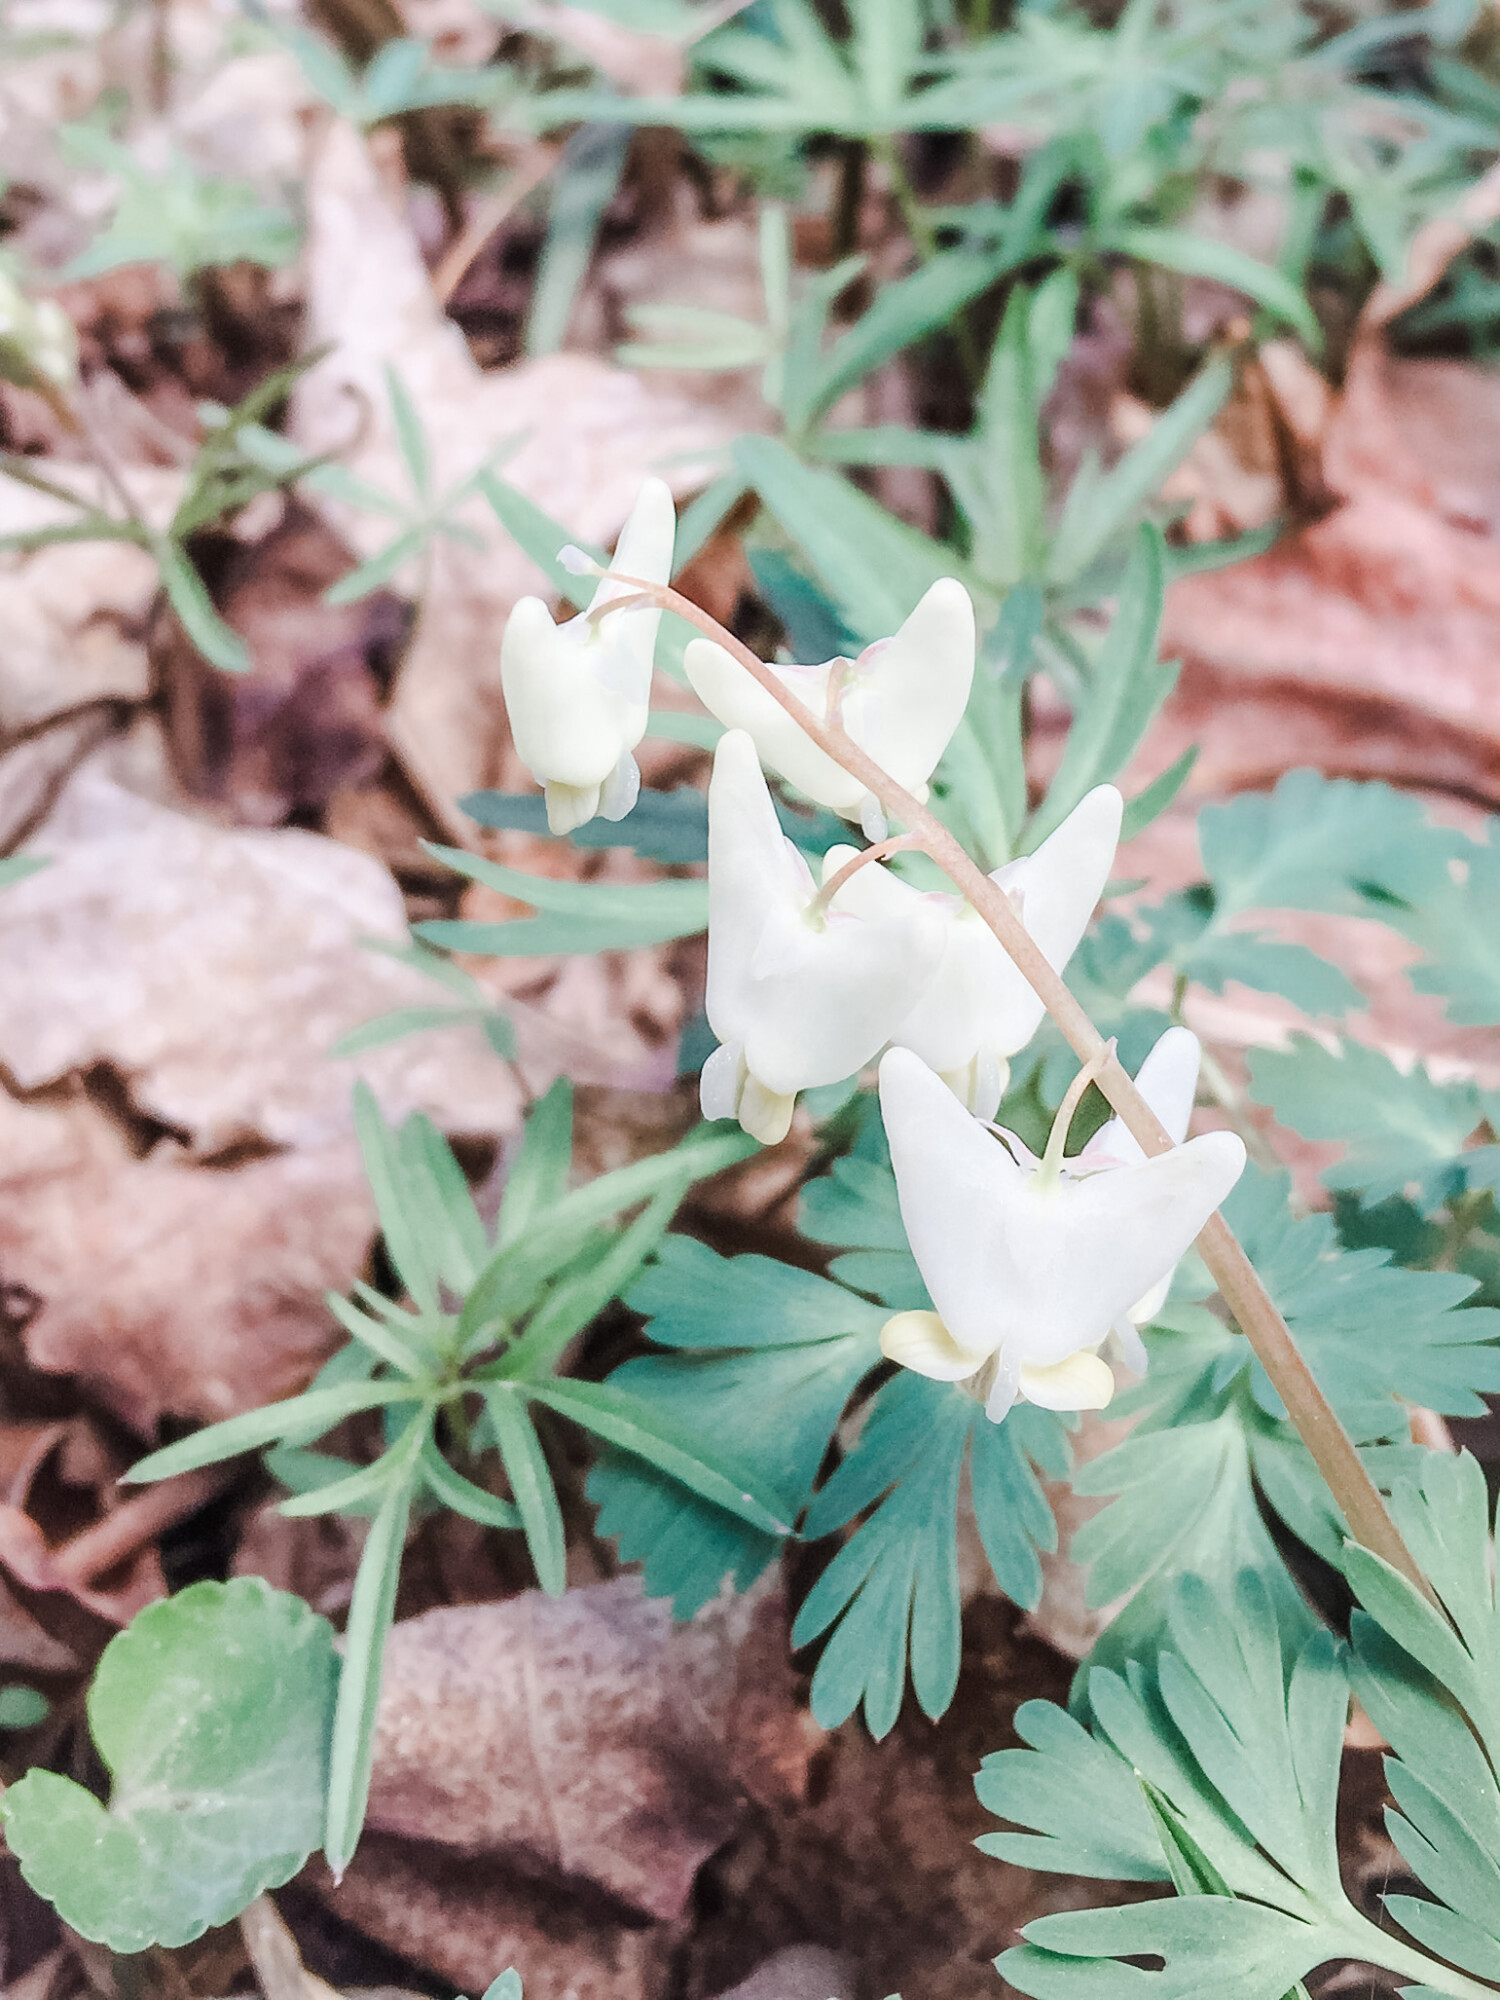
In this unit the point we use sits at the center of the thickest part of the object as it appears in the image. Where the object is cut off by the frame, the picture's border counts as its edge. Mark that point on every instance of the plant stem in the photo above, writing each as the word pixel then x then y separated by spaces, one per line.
pixel 1332 1450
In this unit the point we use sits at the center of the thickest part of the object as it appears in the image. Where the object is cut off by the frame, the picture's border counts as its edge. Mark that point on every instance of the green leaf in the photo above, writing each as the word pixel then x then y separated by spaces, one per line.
pixel 891 1591
pixel 1208 1945
pixel 411 438
pixel 779 1347
pixel 188 596
pixel 635 1426
pixel 1237 1735
pixel 391 1186
pixel 211 1713
pixel 580 916
pixel 1317 843
pixel 299 1417
pixel 506 1987
pixel 539 536
pixel 462 1495
pixel 662 826
pixel 16 867
pixel 1097 509
pixel 875 567
pixel 371 1609
pixel 530 1481
pixel 902 313
pixel 583 186
pixel 539 1176
pixel 1453 922
pixel 1400 1132
pixel 1125 689
pixel 1206 257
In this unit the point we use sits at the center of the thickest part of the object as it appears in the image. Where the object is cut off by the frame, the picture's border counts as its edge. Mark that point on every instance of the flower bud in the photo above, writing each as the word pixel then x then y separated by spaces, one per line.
pixel 578 693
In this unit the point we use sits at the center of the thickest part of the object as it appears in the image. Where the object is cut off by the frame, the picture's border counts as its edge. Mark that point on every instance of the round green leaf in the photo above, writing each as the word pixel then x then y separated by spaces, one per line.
pixel 212 1713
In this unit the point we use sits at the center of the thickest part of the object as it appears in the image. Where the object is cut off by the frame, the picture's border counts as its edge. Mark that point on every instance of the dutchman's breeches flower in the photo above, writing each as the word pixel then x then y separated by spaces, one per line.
pixel 1030 1267
pixel 800 992
pixel 578 693
pixel 901 701
pixel 979 1011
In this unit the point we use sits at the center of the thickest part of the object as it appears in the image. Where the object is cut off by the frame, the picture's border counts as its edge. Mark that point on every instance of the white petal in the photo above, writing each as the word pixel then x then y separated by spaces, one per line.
pixel 570 806
pixel 766 1114
pixel 750 874
pixel 1005 1386
pixel 1085 1251
pixel 568 729
pixel 1037 1269
pixel 721 1081
pixel 1129 1345
pixel 920 1341
pixel 621 789
pixel 1057 888
pixel 621 648
pixel 824 997
pixel 910 691
pixel 953 1179
pixel 1082 1382
pixel 728 691
pixel 1168 1080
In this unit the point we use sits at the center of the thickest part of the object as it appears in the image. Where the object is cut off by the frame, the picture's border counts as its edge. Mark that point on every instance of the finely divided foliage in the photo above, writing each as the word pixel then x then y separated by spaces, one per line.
pixel 758 1405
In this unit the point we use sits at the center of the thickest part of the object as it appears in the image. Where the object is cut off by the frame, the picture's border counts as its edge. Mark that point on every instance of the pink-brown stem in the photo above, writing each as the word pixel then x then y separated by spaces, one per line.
pixel 1317 1423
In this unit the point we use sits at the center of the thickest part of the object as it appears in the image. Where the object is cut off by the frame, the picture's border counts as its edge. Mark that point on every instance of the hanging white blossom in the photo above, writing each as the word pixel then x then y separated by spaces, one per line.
pixel 801 990
pixel 901 701
pixel 979 1010
pixel 578 693
pixel 1030 1267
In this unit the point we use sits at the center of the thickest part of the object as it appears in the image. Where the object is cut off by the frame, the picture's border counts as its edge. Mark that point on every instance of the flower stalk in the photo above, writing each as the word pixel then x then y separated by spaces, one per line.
pixel 1332 1450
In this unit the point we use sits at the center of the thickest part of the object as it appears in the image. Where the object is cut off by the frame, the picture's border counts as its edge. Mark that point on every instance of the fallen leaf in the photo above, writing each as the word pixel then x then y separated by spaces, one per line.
pixel 801 1972
pixel 462 1917
pixel 214 969
pixel 173 1106
pixel 584 436
pixel 306 720
pixel 74 615
pixel 585 1737
pixel 166 1286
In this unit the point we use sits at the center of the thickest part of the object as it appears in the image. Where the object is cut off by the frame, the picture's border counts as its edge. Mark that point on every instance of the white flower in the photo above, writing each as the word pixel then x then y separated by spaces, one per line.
pixel 1168 1080
pixel 901 701
pixel 578 693
pixel 979 1010
pixel 798 995
pixel 1030 1268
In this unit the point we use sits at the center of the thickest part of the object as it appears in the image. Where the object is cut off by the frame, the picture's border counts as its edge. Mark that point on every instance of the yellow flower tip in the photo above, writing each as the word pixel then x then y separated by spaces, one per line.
pixel 765 1114
pixel 921 1342
pixel 1082 1382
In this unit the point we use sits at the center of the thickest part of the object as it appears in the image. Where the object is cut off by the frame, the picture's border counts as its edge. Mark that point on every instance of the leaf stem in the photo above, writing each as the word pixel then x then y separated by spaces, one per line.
pixel 1329 1444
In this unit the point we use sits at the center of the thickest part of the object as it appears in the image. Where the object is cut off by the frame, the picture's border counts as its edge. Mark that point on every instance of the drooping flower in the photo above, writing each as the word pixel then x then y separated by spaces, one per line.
pixel 799 993
pixel 1031 1268
pixel 901 701
pixel 978 1010
pixel 578 693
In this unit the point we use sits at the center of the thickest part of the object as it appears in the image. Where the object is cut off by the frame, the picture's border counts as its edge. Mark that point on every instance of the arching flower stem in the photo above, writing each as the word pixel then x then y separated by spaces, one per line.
pixel 1317 1423
pixel 899 843
pixel 1050 1171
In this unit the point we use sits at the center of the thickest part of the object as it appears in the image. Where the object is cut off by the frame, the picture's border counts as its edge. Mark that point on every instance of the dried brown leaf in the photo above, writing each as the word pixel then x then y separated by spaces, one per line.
pixel 586 1737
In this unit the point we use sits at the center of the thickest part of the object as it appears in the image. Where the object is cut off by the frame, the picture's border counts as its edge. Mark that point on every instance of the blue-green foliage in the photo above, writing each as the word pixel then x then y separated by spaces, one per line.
pixel 1223 1751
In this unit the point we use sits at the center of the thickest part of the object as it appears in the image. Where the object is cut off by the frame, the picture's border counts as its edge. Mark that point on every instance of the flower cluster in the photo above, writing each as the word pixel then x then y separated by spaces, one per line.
pixel 1033 1265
